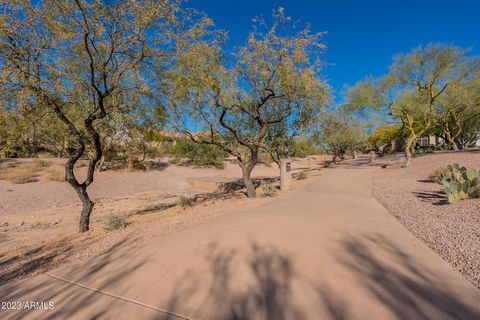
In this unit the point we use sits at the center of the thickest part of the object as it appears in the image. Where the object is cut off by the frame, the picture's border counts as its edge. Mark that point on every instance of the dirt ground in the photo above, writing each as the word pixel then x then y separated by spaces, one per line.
pixel 165 179
pixel 38 220
pixel 451 230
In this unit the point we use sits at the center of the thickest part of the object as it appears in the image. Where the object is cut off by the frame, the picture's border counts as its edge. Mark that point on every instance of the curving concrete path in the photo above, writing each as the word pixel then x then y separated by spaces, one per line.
pixel 329 251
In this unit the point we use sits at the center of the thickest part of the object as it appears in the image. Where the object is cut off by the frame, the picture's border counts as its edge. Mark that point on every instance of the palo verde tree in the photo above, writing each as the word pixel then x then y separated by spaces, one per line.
pixel 338 134
pixel 383 136
pixel 82 60
pixel 411 91
pixel 458 113
pixel 281 140
pixel 235 100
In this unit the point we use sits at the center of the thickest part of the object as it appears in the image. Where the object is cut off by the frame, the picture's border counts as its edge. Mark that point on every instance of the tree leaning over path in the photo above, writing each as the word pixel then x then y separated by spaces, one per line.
pixel 83 60
pixel 269 81
pixel 412 90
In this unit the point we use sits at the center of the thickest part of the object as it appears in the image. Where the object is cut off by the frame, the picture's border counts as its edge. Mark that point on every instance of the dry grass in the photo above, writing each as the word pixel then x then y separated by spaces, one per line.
pixel 269 190
pixel 55 175
pixel 185 202
pixel 115 221
pixel 438 175
pixel 22 172
pixel 301 175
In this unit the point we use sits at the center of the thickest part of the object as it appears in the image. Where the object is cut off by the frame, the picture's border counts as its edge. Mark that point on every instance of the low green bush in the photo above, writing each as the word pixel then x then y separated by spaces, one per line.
pixel 199 154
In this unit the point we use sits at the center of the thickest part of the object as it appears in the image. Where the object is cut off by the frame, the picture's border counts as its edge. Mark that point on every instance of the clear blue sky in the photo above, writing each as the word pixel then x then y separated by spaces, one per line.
pixel 363 35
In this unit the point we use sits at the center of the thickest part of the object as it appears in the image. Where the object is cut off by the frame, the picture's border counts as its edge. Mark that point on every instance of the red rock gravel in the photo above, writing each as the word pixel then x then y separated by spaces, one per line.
pixel 451 230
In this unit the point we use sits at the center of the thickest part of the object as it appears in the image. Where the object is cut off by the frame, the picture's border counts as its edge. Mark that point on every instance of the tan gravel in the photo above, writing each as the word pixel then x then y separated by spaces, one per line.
pixel 451 230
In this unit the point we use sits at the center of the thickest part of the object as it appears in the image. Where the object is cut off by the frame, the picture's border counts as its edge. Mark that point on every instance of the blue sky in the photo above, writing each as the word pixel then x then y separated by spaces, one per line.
pixel 363 35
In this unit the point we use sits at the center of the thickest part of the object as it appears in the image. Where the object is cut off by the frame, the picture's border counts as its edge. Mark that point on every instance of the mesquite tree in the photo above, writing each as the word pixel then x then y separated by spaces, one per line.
pixel 412 90
pixel 234 100
pixel 83 60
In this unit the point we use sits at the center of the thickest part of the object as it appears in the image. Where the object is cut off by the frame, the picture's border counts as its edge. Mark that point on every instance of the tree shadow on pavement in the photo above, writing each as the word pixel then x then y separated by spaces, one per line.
pixel 260 282
pixel 266 294
pixel 396 284
pixel 410 290
pixel 39 259
pixel 70 299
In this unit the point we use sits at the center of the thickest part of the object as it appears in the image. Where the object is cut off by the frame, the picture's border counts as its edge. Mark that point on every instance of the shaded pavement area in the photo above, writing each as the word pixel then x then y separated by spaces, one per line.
pixel 328 251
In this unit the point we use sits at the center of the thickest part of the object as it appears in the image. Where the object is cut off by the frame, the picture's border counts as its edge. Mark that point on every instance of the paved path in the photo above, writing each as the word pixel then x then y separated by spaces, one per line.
pixel 329 251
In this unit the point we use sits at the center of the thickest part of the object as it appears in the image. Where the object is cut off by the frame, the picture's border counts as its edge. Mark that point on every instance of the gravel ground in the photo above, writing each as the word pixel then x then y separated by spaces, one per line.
pixel 451 230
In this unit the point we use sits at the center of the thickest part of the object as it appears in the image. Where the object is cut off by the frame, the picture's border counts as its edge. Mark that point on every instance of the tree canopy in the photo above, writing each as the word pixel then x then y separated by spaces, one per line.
pixel 271 81
pixel 83 61
pixel 413 89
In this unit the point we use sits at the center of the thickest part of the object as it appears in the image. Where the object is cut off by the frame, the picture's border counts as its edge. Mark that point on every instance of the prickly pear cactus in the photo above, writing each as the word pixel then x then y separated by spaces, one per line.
pixel 471 174
pixel 461 183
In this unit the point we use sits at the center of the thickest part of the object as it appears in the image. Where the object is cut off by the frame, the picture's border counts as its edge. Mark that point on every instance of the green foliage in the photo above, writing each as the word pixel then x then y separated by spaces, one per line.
pixel 304 147
pixel 461 183
pixel 458 114
pixel 338 133
pixel 199 154
pixel 384 135
pixel 272 80
pixel 413 90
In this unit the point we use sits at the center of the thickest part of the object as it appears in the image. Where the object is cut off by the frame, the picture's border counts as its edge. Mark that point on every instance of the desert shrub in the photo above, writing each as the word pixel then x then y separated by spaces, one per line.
pixel 185 201
pixel 438 175
pixel 174 161
pixel 133 164
pixel 301 175
pixel 327 164
pixel 115 221
pixel 304 147
pixel 200 155
pixel 269 190
pixel 461 183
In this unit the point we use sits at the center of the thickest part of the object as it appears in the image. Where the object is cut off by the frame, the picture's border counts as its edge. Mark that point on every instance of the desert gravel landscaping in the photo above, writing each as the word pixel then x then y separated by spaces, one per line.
pixel 451 230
